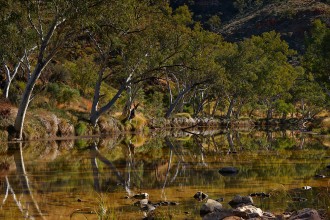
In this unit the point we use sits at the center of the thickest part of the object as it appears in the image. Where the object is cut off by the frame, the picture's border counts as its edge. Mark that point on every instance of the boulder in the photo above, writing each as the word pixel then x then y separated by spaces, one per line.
pixel 65 128
pixel 108 125
pixel 65 145
pixel 252 211
pixel 210 206
pixel 200 196
pixel 268 216
pixel 228 171
pixel 239 201
pixel 191 121
pixel 306 214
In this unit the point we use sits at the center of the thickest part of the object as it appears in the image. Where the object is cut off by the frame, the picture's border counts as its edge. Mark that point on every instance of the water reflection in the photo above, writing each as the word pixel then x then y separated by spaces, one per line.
pixel 52 179
pixel 25 203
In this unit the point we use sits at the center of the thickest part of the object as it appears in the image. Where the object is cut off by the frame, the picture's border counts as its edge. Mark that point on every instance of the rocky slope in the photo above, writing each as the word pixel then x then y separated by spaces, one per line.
pixel 291 18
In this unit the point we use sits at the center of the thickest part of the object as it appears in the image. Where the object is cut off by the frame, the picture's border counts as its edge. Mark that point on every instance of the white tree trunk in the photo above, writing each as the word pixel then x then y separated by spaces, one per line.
pixel 20 117
pixel 95 113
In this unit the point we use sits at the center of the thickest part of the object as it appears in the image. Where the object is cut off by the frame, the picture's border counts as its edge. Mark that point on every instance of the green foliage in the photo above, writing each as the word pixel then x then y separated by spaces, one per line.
pixel 62 93
pixel 182 15
pixel 283 143
pixel 154 104
pixel 284 107
pixel 81 143
pixel 275 75
pixel 317 57
pixel 214 23
pixel 83 74
pixel 81 129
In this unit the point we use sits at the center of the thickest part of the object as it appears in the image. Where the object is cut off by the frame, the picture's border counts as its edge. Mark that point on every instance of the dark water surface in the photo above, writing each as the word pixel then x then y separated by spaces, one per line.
pixel 92 178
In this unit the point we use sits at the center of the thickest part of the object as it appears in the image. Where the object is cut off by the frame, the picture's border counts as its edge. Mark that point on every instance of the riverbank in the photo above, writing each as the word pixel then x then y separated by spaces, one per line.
pixel 42 124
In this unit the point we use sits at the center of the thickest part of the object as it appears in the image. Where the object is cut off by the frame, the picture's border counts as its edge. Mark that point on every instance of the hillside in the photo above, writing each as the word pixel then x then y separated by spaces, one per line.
pixel 291 18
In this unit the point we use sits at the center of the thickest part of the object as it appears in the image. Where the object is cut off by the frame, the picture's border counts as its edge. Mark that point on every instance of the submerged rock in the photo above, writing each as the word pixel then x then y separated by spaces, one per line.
pixel 319 176
pixel 200 196
pixel 299 199
pixel 210 206
pixel 165 203
pixel 228 171
pixel 260 194
pixel 239 201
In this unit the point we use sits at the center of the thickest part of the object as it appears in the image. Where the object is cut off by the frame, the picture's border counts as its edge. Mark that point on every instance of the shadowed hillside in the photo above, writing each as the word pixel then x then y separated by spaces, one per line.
pixel 291 18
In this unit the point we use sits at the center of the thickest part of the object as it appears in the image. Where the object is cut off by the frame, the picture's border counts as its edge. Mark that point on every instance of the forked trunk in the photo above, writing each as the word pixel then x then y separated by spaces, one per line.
pixel 176 102
pixel 95 114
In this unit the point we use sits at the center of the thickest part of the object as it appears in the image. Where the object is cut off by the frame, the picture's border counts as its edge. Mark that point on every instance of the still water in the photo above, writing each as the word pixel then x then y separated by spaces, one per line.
pixel 97 178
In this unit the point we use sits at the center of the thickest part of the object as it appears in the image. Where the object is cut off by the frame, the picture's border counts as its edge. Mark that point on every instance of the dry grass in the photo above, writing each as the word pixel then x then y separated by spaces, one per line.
pixel 138 140
pixel 182 115
pixel 325 123
pixel 81 105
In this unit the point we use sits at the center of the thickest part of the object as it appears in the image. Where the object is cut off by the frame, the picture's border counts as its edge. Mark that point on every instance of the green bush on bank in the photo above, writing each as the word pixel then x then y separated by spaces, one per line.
pixel 81 129
pixel 62 93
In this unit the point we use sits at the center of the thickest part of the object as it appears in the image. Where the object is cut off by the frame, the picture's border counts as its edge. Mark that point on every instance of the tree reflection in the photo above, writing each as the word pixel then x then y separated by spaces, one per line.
pixel 94 155
pixel 26 203
pixel 160 165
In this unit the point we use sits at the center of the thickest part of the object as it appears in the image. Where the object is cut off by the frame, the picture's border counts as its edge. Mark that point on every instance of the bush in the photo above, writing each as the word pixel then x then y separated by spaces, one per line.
pixel 83 74
pixel 80 129
pixel 62 93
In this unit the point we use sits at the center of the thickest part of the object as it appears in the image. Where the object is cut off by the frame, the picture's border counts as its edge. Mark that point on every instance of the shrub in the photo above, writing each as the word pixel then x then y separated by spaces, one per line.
pixel 83 74
pixel 80 129
pixel 62 93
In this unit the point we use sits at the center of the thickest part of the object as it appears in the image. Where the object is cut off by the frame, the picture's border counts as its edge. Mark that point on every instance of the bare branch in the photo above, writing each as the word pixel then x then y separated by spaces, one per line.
pixel 39 20
pixel 101 52
pixel 35 27
pixel 8 76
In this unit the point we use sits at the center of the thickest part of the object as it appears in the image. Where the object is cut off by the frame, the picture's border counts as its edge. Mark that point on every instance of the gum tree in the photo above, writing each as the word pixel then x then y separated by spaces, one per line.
pixel 275 75
pixel 138 45
pixel 317 57
pixel 50 25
